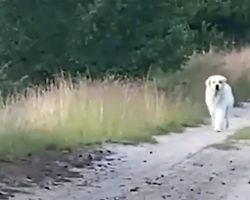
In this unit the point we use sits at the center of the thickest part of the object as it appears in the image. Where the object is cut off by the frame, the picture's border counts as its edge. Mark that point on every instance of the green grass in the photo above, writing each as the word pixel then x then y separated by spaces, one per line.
pixel 242 134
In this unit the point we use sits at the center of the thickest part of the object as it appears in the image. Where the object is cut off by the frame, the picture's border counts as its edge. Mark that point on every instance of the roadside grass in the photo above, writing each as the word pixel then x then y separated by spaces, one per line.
pixel 65 115
pixel 242 134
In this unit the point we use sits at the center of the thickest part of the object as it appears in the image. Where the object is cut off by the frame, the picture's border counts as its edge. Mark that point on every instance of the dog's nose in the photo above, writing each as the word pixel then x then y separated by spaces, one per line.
pixel 217 87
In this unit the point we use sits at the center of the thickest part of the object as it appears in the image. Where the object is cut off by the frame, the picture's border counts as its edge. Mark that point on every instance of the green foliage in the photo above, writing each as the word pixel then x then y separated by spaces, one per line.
pixel 101 37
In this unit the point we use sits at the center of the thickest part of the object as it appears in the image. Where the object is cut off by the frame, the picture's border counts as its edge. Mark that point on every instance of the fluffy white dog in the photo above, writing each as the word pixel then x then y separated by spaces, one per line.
pixel 219 101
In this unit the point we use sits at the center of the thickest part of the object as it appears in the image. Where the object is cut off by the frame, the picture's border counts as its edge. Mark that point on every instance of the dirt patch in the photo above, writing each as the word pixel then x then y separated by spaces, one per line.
pixel 45 169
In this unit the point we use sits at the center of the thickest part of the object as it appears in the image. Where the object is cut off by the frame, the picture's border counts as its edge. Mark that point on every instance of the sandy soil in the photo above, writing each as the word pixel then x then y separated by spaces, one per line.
pixel 189 166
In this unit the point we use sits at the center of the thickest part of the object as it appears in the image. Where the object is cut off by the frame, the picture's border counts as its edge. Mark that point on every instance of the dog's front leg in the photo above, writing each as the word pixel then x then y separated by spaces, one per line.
pixel 211 113
pixel 219 116
pixel 213 119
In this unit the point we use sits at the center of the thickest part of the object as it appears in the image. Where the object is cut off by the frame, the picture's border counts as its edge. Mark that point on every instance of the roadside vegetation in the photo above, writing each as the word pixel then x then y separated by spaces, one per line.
pixel 66 114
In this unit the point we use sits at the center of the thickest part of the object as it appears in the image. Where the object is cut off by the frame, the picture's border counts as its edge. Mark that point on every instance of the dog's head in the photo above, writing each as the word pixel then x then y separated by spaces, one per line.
pixel 216 82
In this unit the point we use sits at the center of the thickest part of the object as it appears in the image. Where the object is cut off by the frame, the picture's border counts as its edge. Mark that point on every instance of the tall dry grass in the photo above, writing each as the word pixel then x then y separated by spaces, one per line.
pixel 66 114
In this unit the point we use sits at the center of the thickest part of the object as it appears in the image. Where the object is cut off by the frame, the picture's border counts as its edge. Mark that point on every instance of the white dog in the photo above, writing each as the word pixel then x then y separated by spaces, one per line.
pixel 219 100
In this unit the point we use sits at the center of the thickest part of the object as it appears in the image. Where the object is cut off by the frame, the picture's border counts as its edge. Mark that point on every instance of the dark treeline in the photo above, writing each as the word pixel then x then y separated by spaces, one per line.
pixel 38 38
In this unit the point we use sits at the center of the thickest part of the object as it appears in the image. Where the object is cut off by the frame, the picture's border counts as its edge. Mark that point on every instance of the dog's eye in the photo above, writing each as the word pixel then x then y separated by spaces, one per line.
pixel 220 82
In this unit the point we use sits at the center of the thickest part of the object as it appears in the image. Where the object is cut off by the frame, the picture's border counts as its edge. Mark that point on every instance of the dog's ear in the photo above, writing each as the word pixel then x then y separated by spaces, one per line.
pixel 208 82
pixel 224 79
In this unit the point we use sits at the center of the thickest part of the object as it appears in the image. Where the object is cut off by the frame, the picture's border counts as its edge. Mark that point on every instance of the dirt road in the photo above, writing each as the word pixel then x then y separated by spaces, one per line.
pixel 180 167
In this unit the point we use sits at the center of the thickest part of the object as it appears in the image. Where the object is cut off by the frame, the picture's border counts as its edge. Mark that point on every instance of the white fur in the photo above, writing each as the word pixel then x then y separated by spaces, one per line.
pixel 219 101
